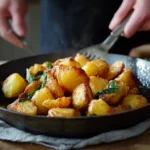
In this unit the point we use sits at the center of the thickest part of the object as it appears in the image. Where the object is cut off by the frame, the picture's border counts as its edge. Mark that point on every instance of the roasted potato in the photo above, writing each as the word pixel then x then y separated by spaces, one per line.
pixel 39 97
pixel 70 78
pixel 81 97
pixel 63 112
pixel 128 77
pixel 99 107
pixel 26 107
pixel 67 62
pixel 54 87
pixel 134 101
pixel 96 68
pixel 36 68
pixel 14 85
pixel 115 69
pixel 120 108
pixel 63 102
pixel 97 84
pixel 81 59
pixel 31 87
pixel 114 98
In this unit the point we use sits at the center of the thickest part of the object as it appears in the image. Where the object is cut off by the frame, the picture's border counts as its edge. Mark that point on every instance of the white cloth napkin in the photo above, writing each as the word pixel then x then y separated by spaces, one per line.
pixel 10 133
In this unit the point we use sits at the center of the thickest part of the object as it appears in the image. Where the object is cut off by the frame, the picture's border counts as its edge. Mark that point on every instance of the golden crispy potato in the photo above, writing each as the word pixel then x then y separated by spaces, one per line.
pixel 81 59
pixel 63 102
pixel 81 97
pixel 70 78
pixel 14 85
pixel 54 87
pixel 97 84
pixel 99 107
pixel 31 87
pixel 26 107
pixel 39 97
pixel 134 100
pixel 128 77
pixel 36 68
pixel 114 98
pixel 120 108
pixel 67 62
pixel 134 90
pixel 96 68
pixel 115 69
pixel 63 112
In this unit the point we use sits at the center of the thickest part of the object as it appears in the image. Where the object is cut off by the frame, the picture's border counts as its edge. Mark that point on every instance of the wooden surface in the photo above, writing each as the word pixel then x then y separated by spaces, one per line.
pixel 141 142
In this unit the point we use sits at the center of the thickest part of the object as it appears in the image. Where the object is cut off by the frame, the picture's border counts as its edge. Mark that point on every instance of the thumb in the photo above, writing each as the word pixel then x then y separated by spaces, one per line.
pixel 19 24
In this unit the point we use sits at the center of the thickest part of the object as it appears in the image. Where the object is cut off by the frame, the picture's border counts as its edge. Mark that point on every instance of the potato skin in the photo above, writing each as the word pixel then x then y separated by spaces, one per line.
pixel 70 78
pixel 97 84
pixel 128 77
pixel 116 97
pixel 13 85
pixel 134 101
pixel 63 112
pixel 36 68
pixel 63 102
pixel 81 59
pixel 54 87
pixel 81 97
pixel 26 107
pixel 97 67
pixel 99 107
pixel 39 97
pixel 67 62
pixel 115 69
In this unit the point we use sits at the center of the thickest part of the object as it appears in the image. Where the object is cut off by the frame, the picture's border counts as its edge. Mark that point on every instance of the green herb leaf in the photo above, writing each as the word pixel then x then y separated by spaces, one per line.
pixel 44 78
pixel 48 64
pixel 23 99
pixel 29 76
pixel 111 88
pixel 37 75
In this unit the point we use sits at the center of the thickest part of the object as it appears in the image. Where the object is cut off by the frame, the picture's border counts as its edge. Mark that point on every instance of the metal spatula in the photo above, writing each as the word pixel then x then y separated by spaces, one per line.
pixel 101 50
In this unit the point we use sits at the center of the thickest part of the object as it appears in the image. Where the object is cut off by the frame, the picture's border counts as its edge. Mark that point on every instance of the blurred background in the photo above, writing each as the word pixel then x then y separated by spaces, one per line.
pixel 8 51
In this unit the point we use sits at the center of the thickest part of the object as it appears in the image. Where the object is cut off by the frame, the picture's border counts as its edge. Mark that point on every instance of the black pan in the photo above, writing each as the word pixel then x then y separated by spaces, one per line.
pixel 76 126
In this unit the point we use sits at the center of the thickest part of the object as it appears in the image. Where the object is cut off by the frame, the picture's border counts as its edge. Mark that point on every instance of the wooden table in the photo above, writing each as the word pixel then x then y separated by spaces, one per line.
pixel 141 142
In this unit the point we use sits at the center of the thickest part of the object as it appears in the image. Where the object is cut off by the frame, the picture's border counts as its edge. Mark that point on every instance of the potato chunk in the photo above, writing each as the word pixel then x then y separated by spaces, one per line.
pixel 67 62
pixel 81 59
pixel 39 97
pixel 96 68
pixel 81 97
pixel 36 68
pixel 54 87
pixel 128 77
pixel 14 85
pixel 114 98
pixel 63 102
pixel 26 107
pixel 99 107
pixel 115 69
pixel 97 84
pixel 63 112
pixel 134 100
pixel 70 78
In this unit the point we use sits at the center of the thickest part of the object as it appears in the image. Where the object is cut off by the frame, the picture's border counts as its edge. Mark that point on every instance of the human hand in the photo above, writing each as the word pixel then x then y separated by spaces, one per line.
pixel 15 10
pixel 139 20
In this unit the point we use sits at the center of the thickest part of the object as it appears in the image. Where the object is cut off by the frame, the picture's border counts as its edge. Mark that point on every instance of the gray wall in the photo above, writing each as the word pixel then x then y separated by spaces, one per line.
pixel 9 52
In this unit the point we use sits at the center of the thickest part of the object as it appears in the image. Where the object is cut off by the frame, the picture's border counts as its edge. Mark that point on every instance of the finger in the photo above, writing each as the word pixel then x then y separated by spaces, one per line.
pixel 122 12
pixel 18 24
pixel 136 21
pixel 145 26
pixel 7 34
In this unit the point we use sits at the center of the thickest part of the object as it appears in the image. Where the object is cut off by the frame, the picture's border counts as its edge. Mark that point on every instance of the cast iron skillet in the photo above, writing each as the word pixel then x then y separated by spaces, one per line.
pixel 75 126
